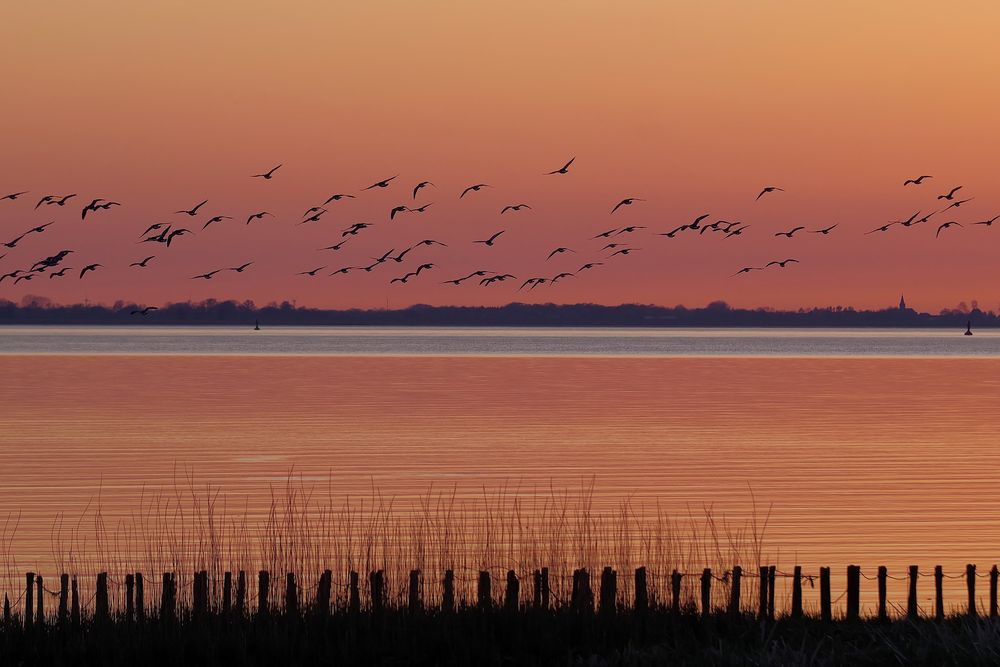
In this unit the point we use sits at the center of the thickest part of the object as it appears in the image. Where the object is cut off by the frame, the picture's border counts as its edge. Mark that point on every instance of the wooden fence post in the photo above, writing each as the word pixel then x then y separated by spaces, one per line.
pixel 536 589
pixel 583 597
pixel 448 596
pixel 376 582
pixel 675 592
pixel 129 598
pixel 75 603
pixel 63 599
pixel 853 592
pixel 970 582
pixel 762 610
pixel 734 591
pixel 241 593
pixel 706 592
pixel 825 605
pixel 797 592
pixel 414 596
pixel 512 596
pixel 324 593
pixel 771 572
pixel 168 606
pixel 6 612
pixel 609 591
pixel 200 594
pixel 993 591
pixel 291 596
pixel 938 593
pixel 484 595
pixel 263 590
pixel 40 603
pixel 101 610
pixel 227 593
pixel 883 575
pixel 911 597
pixel 641 590
pixel 546 591
pixel 29 600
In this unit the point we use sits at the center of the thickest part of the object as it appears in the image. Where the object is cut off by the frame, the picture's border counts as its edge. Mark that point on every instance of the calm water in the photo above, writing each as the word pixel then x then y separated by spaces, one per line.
pixel 874 447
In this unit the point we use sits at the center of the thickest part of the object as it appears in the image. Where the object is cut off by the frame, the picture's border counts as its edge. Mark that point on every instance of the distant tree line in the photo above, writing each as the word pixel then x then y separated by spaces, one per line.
pixel 39 310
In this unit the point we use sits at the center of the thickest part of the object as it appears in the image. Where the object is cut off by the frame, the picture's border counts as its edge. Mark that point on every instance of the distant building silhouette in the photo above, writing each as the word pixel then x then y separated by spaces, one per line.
pixel 902 302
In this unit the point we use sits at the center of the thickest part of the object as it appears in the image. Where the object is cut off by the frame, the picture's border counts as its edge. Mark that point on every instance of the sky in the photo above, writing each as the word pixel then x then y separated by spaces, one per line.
pixel 691 106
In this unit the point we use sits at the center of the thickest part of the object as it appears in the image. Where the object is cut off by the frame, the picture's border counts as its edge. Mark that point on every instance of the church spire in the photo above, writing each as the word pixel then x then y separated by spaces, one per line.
pixel 902 302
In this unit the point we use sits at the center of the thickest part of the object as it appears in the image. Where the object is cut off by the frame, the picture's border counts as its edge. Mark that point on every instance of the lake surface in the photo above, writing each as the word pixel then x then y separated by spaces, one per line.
pixel 872 447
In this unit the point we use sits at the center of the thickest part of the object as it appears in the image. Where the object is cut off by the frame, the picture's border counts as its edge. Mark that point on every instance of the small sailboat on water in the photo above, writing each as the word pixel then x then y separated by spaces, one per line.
pixel 256 325
pixel 968 328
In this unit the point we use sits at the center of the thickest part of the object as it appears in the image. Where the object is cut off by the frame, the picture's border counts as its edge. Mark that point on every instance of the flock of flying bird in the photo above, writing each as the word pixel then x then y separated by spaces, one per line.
pixel 616 238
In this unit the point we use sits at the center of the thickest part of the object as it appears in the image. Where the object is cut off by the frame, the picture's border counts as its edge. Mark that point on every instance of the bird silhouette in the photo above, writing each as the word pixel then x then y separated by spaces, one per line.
pixel 623 251
pixel 589 265
pixel 421 185
pixel 767 190
pixel 604 235
pixel 912 220
pixel 91 207
pixel 382 184
pixel 26 276
pixel 267 175
pixel 824 231
pixel 420 209
pixel 45 200
pixel 241 268
pixel 315 217
pixel 397 210
pixel 473 188
pixel 781 263
pixel 344 270
pixel 399 258
pixel 957 203
pixel 313 209
pixel 988 223
pixel 90 267
pixel 746 269
pixel 560 276
pixel 790 232
pixel 177 232
pixel 883 228
pixel 206 276
pixel 216 218
pixel 563 169
pixel 258 216
pixel 354 229
pixel 673 232
pixel 559 251
pixel 337 197
pixel 738 231
pixel 513 207
pixel 154 227
pixel 311 273
pixel 491 240
pixel 60 273
pixel 423 267
pixel 144 311
pixel 694 224
pixel 946 226
pixel 612 246
pixel 429 242
pixel 403 278
pixel 951 194
pixel 628 230
pixel 336 246
pixel 14 195
pixel 628 201
pixel 915 181
pixel 193 211
pixel 143 263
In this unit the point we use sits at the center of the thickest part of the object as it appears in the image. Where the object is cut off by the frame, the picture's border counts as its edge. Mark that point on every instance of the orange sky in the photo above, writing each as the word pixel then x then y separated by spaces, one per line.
pixel 693 106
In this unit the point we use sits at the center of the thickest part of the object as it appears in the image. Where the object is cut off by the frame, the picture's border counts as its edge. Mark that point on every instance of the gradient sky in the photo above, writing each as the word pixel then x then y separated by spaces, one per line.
pixel 693 106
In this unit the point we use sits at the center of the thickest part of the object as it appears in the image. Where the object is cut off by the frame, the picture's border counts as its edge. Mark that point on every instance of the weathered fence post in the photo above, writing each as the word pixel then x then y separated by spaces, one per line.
pixel 675 591
pixel 63 599
pixel 512 595
pixel 448 595
pixel 797 592
pixel 75 604
pixel 324 593
pixel 101 610
pixel 582 598
pixel 29 600
pixel 291 596
pixel 853 592
pixel 993 591
pixel 762 610
pixel 641 590
pixel 414 597
pixel 911 597
pixel 227 593
pixel 484 595
pixel 241 593
pixel 129 598
pixel 200 594
pixel 536 588
pixel 354 593
pixel 770 591
pixel 609 591
pixel 40 603
pixel 376 582
pixel 938 592
pixel 545 588
pixel 734 591
pixel 263 590
pixel 883 575
pixel 706 592
pixel 6 611
pixel 825 605
pixel 970 582
pixel 168 603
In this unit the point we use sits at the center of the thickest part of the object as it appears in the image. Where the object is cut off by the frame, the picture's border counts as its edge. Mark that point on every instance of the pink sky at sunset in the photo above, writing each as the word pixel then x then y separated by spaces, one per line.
pixel 692 106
